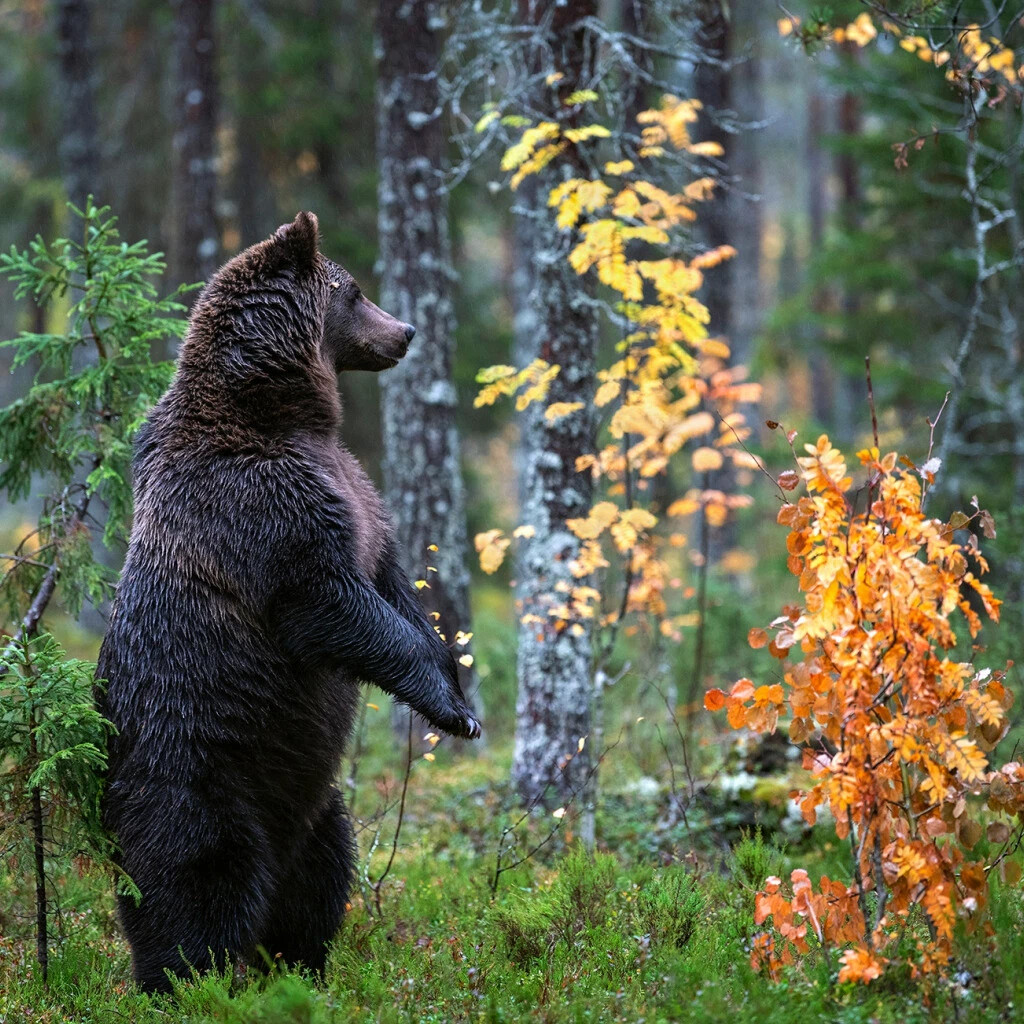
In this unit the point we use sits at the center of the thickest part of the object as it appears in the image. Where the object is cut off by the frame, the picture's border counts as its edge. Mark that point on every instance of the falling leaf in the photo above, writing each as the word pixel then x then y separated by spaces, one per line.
pixel 491 546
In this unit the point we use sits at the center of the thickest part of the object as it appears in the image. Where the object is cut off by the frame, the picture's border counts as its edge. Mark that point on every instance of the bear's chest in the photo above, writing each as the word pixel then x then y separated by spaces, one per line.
pixel 369 522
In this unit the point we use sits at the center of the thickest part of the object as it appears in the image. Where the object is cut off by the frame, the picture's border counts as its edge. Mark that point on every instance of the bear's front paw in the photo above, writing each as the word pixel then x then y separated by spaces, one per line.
pixel 462 723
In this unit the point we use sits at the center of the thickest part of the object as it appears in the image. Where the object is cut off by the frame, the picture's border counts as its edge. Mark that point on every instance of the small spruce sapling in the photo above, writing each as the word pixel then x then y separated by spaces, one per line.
pixel 68 443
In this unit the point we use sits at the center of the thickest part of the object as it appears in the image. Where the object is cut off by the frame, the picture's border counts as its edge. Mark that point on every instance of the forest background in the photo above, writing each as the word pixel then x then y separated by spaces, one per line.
pixel 594 856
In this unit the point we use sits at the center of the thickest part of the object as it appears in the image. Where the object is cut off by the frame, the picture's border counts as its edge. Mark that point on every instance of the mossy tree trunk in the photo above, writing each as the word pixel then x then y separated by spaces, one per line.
pixel 422 473
pixel 555 667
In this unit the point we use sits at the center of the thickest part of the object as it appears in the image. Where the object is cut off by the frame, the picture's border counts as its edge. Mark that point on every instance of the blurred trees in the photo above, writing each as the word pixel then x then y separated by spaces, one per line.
pixel 79 149
pixel 195 240
pixel 858 247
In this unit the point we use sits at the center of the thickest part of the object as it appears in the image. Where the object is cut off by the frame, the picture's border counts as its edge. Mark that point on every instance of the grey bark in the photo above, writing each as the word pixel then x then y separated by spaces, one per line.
pixel 712 85
pixel 79 152
pixel 554 705
pixel 422 473
pixel 195 239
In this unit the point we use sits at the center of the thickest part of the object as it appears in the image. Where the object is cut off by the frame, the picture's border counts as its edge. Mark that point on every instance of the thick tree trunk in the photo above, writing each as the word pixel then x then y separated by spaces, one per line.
pixel 422 473
pixel 79 153
pixel 553 711
pixel 712 85
pixel 195 240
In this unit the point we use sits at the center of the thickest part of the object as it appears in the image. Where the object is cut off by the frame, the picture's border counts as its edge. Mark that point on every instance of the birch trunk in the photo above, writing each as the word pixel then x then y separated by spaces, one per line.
pixel 554 705
pixel 422 472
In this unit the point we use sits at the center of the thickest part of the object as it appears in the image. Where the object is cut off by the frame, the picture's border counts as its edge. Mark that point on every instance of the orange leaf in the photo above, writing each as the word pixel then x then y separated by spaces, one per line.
pixel 714 700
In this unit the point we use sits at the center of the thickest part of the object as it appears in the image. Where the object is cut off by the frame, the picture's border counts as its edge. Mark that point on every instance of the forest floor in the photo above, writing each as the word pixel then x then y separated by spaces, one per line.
pixel 656 927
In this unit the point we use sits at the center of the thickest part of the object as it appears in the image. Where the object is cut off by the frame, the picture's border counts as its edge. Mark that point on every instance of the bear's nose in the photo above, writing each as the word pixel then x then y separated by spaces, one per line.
pixel 410 332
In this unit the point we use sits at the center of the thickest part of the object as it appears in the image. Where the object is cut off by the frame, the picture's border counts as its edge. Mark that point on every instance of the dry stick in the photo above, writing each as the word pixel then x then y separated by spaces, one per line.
pixel 398 825
pixel 30 623
pixel 760 465
pixel 980 232
pixel 499 868
pixel 871 400
pixel 702 604
pixel 932 424
pixel 597 725
pixel 40 867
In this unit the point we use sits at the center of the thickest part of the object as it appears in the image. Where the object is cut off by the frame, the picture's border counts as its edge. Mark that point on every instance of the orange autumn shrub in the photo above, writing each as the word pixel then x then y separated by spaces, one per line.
pixel 894 730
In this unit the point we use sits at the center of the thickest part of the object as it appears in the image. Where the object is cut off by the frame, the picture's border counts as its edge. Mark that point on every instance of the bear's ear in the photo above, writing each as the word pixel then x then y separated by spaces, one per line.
pixel 298 241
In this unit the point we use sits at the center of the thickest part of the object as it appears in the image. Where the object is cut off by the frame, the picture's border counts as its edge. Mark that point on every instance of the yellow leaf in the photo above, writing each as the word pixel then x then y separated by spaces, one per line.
pixel 557 410
pixel 536 163
pixel 488 118
pixel 618 167
pixel 432 738
pixel 526 530
pixel 555 76
pixel 492 546
pixel 582 96
pixel 706 459
pixel 608 391
pixel 713 257
pixel 516 155
pixel 590 131
pixel 466 660
pixel 601 516
pixel 707 149
pixel 372 707
pixel 559 812
pixel 420 584
pixel 429 756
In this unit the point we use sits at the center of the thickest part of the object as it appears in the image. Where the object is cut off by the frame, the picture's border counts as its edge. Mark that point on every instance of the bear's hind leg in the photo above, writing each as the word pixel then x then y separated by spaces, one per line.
pixel 206 890
pixel 310 900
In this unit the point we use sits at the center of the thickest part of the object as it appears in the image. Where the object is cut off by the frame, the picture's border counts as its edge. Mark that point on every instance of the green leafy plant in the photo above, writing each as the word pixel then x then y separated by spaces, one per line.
pixel 69 440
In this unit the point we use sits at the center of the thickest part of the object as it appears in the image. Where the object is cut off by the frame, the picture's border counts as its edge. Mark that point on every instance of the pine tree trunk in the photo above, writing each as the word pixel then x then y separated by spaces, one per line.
pixel 422 472
pixel 79 153
pixel 195 240
pixel 554 706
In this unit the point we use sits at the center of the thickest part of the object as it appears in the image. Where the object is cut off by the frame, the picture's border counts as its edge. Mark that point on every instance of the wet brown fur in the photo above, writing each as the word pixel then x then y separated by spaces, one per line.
pixel 261 587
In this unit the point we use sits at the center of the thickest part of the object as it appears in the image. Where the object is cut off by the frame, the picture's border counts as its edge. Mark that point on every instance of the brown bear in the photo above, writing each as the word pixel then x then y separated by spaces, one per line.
pixel 261 587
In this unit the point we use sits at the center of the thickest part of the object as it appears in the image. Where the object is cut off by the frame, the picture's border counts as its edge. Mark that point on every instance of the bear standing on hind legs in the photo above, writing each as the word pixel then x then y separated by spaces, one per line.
pixel 261 588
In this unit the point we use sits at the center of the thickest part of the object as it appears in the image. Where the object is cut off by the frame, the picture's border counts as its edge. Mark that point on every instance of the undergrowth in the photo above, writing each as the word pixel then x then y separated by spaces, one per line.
pixel 633 933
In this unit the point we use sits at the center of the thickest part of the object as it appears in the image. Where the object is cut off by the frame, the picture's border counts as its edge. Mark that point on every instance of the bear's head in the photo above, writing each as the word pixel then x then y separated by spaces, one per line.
pixel 357 333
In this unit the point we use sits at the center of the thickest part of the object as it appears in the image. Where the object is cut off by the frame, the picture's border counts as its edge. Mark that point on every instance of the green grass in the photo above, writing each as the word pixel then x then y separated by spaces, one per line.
pixel 655 927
